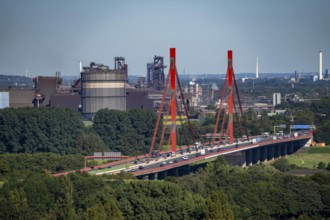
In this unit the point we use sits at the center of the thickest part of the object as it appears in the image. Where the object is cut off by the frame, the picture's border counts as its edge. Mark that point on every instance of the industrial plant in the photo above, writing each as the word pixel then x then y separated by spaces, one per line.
pixel 100 86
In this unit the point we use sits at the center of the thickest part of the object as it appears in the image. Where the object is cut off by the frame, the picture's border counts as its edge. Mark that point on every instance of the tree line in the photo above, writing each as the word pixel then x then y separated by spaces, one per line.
pixel 127 131
pixel 16 165
pixel 217 191
pixel 61 131
pixel 29 130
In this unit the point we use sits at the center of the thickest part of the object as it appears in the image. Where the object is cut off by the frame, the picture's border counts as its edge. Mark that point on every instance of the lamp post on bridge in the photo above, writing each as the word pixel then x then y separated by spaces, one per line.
pixel 279 126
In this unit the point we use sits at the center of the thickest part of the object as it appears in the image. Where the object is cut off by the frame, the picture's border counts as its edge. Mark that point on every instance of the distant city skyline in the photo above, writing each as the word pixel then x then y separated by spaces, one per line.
pixel 44 37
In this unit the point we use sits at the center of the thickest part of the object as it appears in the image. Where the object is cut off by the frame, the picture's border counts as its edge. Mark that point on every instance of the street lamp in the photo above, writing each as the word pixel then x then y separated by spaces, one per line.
pixel 279 126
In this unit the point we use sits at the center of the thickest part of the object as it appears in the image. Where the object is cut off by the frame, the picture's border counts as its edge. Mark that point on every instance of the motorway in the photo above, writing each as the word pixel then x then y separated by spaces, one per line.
pixel 184 157
pixel 138 165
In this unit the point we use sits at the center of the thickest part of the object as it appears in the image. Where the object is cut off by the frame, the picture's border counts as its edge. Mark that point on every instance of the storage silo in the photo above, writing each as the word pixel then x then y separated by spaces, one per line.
pixel 102 88
pixel 4 100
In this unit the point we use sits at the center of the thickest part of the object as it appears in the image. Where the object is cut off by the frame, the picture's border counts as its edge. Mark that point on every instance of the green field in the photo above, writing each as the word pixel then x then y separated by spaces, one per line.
pixel 112 168
pixel 311 158
pixel 88 123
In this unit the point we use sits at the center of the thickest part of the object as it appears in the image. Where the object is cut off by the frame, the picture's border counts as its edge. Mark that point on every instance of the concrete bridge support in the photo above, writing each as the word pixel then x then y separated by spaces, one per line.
pixel 237 158
pixel 153 176
pixel 173 172
pixel 284 149
pixel 290 148
pixel 184 170
pixel 263 154
pixel 162 175
pixel 270 152
pixel 277 150
pixel 255 155
pixel 248 157
pixel 296 146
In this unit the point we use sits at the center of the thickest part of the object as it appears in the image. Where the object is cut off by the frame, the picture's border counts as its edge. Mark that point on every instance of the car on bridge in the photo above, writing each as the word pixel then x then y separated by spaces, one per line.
pixel 185 157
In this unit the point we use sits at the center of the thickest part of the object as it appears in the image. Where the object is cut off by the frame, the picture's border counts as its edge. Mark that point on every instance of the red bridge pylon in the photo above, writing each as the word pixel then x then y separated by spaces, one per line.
pixel 230 108
pixel 172 108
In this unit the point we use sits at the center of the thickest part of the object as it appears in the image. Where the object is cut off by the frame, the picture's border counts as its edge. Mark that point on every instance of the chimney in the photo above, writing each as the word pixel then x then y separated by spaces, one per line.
pixel 320 67
pixel 80 67
pixel 257 69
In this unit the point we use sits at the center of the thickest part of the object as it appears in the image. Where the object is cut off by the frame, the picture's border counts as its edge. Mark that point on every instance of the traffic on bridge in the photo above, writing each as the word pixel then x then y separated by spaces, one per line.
pixel 248 150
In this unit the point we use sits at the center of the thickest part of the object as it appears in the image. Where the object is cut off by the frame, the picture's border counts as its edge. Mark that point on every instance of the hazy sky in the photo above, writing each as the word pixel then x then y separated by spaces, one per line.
pixel 46 36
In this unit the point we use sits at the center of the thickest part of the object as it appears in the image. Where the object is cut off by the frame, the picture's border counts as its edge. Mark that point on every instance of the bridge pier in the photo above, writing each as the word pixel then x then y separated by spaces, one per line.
pixel 184 170
pixel 296 146
pixel 237 158
pixel 255 155
pixel 173 172
pixel 153 176
pixel 263 154
pixel 277 151
pixel 290 148
pixel 270 152
pixel 248 158
pixel 284 150
pixel 162 175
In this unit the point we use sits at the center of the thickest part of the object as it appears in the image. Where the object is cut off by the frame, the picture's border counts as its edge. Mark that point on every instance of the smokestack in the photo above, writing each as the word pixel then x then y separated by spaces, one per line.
pixel 320 67
pixel 80 67
pixel 257 69
pixel 196 90
pixel 214 88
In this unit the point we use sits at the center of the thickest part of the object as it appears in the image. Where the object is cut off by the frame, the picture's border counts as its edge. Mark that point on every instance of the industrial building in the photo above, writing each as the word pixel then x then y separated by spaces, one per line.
pixel 4 100
pixel 276 99
pixel 66 100
pixel 155 73
pixel 142 98
pixel 48 91
pixel 45 86
pixel 19 98
pixel 102 87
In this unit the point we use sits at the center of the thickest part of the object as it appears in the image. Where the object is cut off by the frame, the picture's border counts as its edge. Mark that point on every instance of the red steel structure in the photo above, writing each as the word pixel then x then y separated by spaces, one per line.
pixel 173 99
pixel 173 109
pixel 231 107
pixel 230 96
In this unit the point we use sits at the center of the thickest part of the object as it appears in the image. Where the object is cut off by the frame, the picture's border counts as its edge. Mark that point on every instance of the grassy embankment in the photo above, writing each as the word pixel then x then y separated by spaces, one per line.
pixel 311 158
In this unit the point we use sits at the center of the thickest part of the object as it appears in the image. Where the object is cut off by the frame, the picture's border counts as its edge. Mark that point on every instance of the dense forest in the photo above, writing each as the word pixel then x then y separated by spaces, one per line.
pixel 127 131
pixel 16 165
pixel 29 130
pixel 34 143
pixel 61 131
pixel 215 192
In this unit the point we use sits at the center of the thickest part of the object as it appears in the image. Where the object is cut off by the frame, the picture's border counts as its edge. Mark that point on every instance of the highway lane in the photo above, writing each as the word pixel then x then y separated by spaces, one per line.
pixel 154 163
pixel 210 151
pixel 179 157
